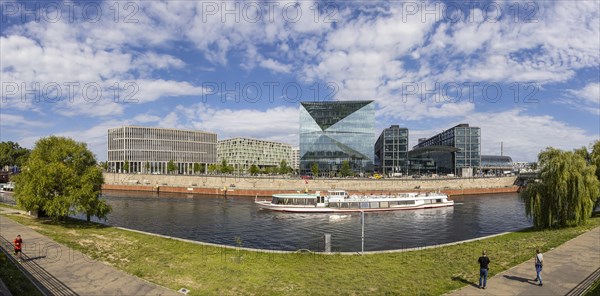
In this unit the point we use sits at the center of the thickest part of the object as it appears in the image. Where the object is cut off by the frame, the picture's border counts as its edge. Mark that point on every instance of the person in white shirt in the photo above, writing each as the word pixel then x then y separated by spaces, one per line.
pixel 539 263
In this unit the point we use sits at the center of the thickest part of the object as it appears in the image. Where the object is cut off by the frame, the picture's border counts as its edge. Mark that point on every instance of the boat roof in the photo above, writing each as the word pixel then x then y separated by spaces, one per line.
pixel 296 195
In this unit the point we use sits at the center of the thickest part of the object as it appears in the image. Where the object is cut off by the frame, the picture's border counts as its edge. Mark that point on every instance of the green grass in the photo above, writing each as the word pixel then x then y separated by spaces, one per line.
pixel 16 282
pixel 594 290
pixel 5 205
pixel 214 270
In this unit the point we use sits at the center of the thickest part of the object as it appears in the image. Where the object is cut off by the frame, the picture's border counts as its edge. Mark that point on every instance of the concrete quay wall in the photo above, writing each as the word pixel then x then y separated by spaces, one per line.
pixel 265 186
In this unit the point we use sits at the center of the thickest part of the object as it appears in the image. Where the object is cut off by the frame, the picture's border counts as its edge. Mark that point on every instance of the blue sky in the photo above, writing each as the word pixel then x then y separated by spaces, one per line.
pixel 527 73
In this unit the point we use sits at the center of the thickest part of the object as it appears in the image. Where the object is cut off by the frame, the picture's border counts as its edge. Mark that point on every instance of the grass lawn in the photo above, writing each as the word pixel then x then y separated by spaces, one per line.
pixel 14 279
pixel 214 270
pixel 5 205
pixel 594 290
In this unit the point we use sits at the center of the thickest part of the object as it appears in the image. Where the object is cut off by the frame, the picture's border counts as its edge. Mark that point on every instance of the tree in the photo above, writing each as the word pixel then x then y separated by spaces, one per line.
pixel 225 168
pixel 12 154
pixel 60 178
pixel 565 193
pixel 254 170
pixel 197 168
pixel 171 167
pixel 315 169
pixel 213 168
pixel 283 167
pixel 346 171
pixel 126 166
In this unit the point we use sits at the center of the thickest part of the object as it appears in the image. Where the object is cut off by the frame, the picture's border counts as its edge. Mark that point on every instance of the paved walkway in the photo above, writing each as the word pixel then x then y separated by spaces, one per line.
pixel 59 270
pixel 565 268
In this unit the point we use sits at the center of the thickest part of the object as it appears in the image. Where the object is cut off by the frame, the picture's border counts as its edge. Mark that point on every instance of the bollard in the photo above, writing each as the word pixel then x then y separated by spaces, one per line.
pixel 327 243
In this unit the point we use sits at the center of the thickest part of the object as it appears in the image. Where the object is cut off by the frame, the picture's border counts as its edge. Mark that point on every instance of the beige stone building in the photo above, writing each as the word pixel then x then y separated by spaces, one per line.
pixel 138 149
pixel 242 153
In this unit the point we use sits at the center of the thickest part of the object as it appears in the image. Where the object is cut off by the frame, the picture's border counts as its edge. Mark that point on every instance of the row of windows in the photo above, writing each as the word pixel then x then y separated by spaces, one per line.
pixel 162 145
pixel 161 134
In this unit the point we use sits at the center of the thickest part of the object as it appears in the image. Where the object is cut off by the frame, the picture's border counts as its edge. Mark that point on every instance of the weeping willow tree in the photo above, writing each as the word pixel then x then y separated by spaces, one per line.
pixel 565 193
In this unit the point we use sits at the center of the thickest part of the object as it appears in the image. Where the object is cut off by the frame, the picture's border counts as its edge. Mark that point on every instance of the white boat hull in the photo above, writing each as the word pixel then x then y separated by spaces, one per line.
pixel 267 205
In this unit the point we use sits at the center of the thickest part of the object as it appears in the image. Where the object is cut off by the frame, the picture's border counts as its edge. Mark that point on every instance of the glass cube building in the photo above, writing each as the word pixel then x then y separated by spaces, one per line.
pixel 334 132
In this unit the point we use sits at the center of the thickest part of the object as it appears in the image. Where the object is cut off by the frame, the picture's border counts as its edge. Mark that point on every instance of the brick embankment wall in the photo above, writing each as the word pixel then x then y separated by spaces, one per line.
pixel 252 186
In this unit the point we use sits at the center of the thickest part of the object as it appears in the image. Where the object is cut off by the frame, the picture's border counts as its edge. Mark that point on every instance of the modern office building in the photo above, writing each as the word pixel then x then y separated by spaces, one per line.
pixel 242 153
pixel 391 151
pixel 496 164
pixel 295 158
pixel 464 160
pixel 334 132
pixel 141 149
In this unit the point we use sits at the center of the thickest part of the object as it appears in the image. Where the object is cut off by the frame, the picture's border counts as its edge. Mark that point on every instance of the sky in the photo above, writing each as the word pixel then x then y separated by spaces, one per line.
pixel 527 73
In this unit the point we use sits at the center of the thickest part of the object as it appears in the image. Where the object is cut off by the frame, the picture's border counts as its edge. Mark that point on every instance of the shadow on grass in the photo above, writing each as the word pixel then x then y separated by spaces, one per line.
pixel 465 281
pixel 520 279
pixel 73 223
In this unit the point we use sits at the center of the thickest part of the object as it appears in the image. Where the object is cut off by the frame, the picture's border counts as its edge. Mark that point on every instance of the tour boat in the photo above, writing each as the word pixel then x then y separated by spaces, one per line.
pixel 7 187
pixel 341 201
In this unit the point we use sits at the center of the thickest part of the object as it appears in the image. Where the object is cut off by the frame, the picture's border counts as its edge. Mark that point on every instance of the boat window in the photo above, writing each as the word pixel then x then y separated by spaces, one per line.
pixel 310 201
pixel 275 200
pixel 384 204
pixel 438 200
pixel 334 205
pixel 374 204
pixel 353 205
pixel 364 205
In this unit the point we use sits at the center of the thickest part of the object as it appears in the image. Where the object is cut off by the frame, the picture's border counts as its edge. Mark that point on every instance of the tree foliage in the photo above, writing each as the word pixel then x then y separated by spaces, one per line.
pixel 171 167
pixel 213 168
pixel 126 166
pixel 225 168
pixel 61 178
pixel 254 170
pixel 197 168
pixel 315 169
pixel 284 168
pixel 12 154
pixel 565 193
pixel 345 170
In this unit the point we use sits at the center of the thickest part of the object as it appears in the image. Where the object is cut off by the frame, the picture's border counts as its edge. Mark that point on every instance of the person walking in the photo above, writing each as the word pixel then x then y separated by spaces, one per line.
pixel 484 263
pixel 18 242
pixel 539 263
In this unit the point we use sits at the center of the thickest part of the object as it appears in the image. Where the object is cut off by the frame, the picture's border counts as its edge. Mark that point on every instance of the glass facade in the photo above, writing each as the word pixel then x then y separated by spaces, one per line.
pixel 463 137
pixel 391 151
pixel 334 132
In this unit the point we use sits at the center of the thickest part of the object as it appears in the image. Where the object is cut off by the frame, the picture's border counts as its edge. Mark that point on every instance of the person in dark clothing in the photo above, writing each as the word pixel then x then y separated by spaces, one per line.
pixel 484 263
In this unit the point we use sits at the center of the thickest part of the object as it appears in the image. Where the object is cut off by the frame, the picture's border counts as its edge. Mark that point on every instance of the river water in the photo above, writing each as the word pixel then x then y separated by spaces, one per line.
pixel 220 220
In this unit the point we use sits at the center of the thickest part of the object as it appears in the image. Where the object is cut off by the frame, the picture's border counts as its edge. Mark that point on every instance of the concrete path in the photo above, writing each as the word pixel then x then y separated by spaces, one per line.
pixel 566 269
pixel 59 270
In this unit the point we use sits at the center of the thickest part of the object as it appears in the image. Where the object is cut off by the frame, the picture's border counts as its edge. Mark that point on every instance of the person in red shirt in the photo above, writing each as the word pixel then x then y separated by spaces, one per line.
pixel 18 242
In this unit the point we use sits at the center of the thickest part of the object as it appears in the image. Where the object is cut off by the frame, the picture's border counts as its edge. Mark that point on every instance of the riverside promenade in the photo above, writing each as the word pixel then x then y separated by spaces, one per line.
pixel 568 270
pixel 58 270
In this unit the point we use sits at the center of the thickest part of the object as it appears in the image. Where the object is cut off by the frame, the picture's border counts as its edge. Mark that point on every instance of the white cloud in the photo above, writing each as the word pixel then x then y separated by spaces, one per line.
pixel 587 98
pixel 275 66
pixel 525 135
pixel 276 124
pixel 13 120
